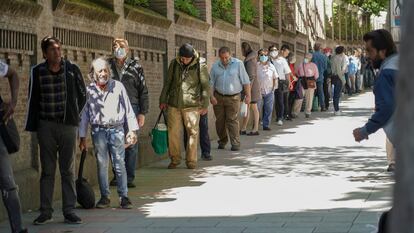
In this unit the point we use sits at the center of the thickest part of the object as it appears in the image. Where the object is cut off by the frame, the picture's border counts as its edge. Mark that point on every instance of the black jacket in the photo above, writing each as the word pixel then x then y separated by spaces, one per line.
pixel 75 96
pixel 132 76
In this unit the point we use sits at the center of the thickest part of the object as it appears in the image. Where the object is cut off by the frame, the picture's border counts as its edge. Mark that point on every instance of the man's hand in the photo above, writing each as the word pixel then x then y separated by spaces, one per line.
pixel 163 106
pixel 82 144
pixel 358 135
pixel 213 100
pixel 131 138
pixel 247 99
pixel 141 120
pixel 8 109
pixel 203 111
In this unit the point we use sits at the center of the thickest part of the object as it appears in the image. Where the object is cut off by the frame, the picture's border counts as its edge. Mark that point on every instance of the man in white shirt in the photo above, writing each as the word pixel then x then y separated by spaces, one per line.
pixel 107 109
pixel 278 59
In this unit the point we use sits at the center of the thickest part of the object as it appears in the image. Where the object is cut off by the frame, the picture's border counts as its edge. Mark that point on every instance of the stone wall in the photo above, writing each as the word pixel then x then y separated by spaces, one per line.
pixel 154 35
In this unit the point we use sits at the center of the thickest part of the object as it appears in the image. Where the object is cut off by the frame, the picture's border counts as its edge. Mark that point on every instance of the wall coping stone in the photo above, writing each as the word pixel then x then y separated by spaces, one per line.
pixel 22 8
pixel 74 8
pixel 251 29
pixel 146 16
pixel 224 25
pixel 302 35
pixel 289 33
pixel 271 30
pixel 184 19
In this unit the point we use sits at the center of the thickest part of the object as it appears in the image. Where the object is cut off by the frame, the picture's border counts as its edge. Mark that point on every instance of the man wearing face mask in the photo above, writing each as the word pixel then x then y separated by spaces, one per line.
pixel 107 129
pixel 382 51
pixel 185 93
pixel 130 73
pixel 56 98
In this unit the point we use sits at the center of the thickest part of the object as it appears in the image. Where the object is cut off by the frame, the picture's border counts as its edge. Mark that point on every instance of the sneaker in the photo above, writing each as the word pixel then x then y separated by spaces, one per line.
pixel 131 185
pixel 172 165
pixel 43 219
pixel 206 157
pixel 266 129
pixel 72 219
pixel 280 122
pixel 338 113
pixel 243 132
pixel 221 147
pixel 391 168
pixel 103 203
pixel 24 231
pixel 191 165
pixel 113 182
pixel 126 203
pixel 235 148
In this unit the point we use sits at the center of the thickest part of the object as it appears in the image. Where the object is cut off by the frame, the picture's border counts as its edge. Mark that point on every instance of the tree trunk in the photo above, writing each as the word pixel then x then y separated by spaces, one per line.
pixel 402 220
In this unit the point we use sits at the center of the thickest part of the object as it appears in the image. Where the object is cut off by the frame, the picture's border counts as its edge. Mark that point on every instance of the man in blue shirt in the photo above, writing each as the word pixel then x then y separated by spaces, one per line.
pixel 228 78
pixel 321 62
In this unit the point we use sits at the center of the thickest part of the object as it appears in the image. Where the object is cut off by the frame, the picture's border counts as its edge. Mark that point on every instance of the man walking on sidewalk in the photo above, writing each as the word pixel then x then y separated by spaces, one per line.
pixel 228 77
pixel 57 96
pixel 185 93
pixel 130 73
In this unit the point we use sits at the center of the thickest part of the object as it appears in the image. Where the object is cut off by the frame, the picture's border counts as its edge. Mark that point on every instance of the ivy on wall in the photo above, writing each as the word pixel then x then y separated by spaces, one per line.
pixel 187 6
pixel 268 8
pixel 247 11
pixel 222 9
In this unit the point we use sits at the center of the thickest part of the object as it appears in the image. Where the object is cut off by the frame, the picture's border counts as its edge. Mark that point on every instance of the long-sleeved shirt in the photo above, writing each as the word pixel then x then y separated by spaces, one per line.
pixel 110 106
pixel 3 68
pixel 267 75
pixel 307 70
pixel 339 66
pixel 229 80
pixel 321 62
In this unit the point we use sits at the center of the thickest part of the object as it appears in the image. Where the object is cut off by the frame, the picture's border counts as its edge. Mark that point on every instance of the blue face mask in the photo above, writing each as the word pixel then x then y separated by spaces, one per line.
pixel 306 60
pixel 120 53
pixel 264 58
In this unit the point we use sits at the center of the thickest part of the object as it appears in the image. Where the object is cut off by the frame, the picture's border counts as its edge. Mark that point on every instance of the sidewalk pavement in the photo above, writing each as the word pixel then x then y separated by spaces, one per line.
pixel 307 176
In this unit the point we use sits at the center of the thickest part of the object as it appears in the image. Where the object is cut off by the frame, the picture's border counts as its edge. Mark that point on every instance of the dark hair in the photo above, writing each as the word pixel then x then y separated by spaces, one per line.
pixel 246 48
pixel 272 46
pixel 224 49
pixel 339 50
pixel 284 47
pixel 49 41
pixel 290 56
pixel 317 47
pixel 381 40
pixel 261 50
pixel 186 50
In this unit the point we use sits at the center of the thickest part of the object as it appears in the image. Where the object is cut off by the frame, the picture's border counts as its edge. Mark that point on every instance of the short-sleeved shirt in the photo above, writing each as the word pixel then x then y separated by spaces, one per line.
pixel 307 70
pixel 229 80
pixel 282 67
pixel 266 74
pixel 4 68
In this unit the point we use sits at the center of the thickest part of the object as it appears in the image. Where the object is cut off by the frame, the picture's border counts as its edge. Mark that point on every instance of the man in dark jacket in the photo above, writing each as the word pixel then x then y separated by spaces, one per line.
pixel 131 74
pixel 56 98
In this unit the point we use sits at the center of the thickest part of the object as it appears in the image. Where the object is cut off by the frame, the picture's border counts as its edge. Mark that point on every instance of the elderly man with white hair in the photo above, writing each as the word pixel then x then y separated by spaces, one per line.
pixel 308 74
pixel 106 110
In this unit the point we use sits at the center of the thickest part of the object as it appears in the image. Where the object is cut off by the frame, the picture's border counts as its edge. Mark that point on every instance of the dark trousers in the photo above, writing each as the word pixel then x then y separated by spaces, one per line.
pixel 204 136
pixel 337 83
pixel 9 190
pixel 320 93
pixel 55 138
pixel 326 92
pixel 348 84
pixel 282 103
pixel 291 102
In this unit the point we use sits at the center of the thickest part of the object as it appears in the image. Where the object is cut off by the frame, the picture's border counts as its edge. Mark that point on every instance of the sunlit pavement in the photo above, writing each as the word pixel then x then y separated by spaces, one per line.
pixel 307 176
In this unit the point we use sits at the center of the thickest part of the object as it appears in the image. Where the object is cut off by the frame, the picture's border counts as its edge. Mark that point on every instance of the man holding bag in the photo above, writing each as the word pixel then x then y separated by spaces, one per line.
pixel 185 93
pixel 228 77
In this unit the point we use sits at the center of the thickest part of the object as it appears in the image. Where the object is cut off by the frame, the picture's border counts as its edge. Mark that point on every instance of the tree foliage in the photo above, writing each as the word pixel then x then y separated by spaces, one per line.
pixel 268 8
pixel 247 11
pixel 222 9
pixel 371 6
pixel 187 6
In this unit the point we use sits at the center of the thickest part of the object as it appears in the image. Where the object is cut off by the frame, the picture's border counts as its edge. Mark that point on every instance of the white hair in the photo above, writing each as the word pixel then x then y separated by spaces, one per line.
pixel 98 64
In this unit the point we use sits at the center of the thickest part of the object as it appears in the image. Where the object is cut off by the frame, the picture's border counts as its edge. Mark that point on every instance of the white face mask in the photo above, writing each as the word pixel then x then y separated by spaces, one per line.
pixel 120 53
pixel 274 54
pixel 306 60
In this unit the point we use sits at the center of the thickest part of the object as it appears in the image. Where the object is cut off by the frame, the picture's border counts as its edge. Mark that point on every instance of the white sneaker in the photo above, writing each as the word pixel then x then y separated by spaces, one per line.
pixel 280 122
pixel 338 113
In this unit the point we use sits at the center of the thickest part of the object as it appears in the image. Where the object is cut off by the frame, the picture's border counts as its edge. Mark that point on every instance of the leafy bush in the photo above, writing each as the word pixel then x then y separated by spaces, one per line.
pixel 143 3
pixel 268 8
pixel 247 11
pixel 222 9
pixel 187 6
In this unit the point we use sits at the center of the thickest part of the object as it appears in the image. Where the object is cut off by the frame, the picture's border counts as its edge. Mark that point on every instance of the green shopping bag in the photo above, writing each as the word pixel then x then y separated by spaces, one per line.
pixel 159 136
pixel 315 104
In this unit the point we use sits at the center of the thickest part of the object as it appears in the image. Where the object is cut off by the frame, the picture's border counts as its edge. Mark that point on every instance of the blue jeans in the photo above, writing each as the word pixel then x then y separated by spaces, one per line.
pixel 110 141
pixel 320 94
pixel 267 102
pixel 337 83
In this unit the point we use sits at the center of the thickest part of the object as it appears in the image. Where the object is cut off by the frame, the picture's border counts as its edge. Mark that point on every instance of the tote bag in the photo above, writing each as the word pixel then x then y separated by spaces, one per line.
pixel 159 136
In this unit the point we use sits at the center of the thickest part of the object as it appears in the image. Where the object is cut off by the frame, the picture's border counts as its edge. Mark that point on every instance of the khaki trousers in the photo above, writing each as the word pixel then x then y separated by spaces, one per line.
pixel 390 152
pixel 308 95
pixel 227 118
pixel 190 118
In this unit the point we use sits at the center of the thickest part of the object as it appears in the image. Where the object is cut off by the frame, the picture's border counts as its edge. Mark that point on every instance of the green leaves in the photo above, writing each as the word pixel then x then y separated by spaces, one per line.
pixel 187 6
pixel 370 6
pixel 222 9
pixel 247 11
pixel 143 3
pixel 268 8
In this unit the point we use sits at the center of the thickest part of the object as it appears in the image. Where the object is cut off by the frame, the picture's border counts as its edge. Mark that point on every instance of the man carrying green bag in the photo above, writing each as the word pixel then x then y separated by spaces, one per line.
pixel 159 136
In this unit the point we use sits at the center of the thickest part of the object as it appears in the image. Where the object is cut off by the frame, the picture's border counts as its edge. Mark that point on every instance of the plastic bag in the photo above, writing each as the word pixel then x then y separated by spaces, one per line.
pixel 243 109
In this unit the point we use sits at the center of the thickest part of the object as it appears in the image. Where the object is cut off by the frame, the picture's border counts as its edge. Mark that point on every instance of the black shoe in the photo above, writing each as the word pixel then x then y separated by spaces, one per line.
pixel 307 115
pixel 72 219
pixel 323 109
pixel 391 168
pixel 266 129
pixel 235 148
pixel 103 203
pixel 131 185
pixel 253 133
pixel 206 157
pixel 43 219
pixel 288 119
pixel 221 147
pixel 126 203
pixel 24 231
pixel 243 132
pixel 113 182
